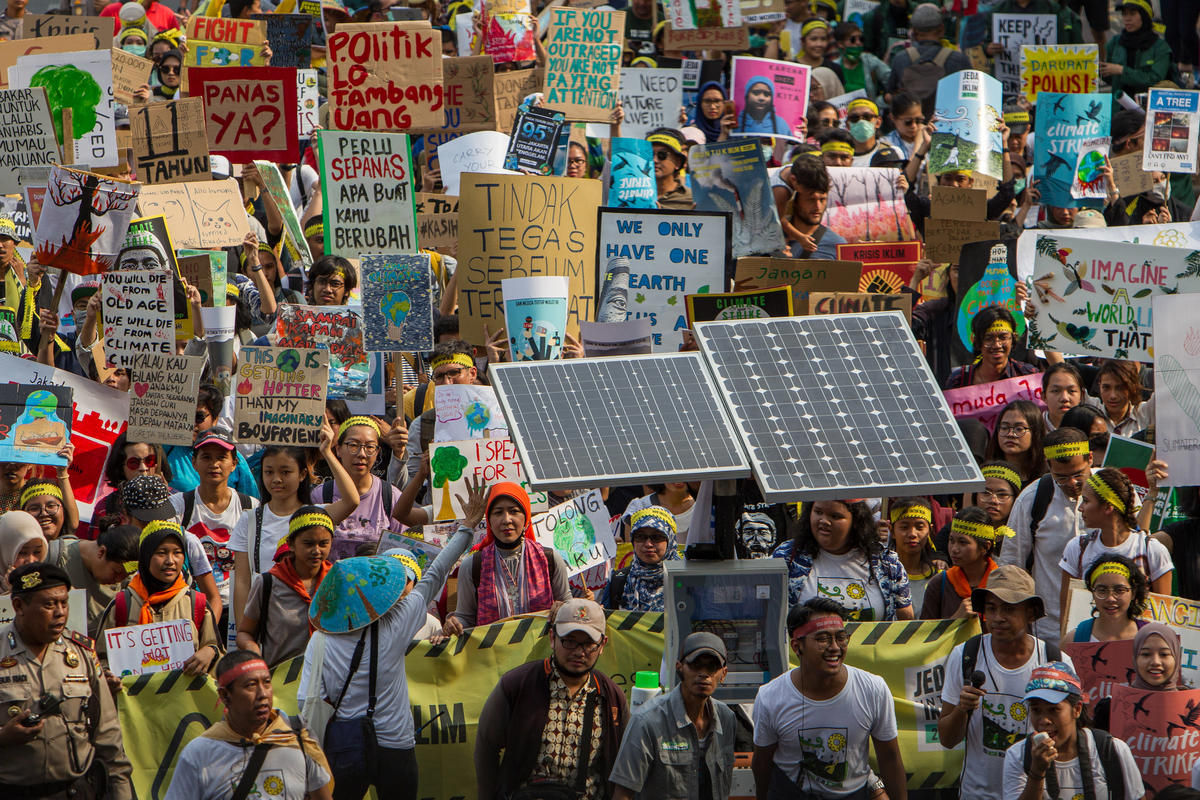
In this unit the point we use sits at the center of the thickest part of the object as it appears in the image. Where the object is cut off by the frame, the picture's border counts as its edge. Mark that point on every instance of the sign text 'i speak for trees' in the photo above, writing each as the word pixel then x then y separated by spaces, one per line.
pixel 249 111
pixel 385 76
pixel 584 70
pixel 368 193
pixel 162 398
pixel 139 315
pixel 280 395
pixel 26 134
pixel 224 42
pixel 169 141
pixel 489 460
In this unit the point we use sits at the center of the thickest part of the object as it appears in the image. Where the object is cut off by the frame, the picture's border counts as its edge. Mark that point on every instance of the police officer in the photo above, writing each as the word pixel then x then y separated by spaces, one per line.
pixel 60 739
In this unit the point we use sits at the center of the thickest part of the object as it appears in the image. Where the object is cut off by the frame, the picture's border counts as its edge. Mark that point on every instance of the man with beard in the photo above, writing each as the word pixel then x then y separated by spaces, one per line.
pixel 559 721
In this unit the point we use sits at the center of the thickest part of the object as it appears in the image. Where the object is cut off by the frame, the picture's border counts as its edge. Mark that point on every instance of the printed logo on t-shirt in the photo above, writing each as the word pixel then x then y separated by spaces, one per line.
pixel 216 547
pixel 850 594
pixel 269 784
pixel 1004 722
pixel 823 754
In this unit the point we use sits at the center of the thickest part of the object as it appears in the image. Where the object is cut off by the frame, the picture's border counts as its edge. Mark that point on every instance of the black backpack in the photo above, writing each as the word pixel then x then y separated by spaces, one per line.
pixel 920 78
pixel 1041 503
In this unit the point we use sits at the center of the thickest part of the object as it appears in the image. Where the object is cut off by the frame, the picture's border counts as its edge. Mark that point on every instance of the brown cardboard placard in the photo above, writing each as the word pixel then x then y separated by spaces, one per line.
pixel 438 232
pixel 944 238
pixel 130 73
pixel 859 302
pixel 951 202
pixel 583 72
pixel 707 38
pixel 280 395
pixel 11 51
pixel 169 141
pixel 432 203
pixel 197 271
pixel 45 26
pixel 200 214
pixel 224 42
pixel 510 88
pixel 803 275
pixel 469 91
pixel 1130 177
pixel 162 398
pixel 375 71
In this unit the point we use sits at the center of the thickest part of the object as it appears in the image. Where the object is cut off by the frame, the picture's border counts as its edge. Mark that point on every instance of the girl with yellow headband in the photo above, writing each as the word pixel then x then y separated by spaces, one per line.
pixel 993 337
pixel 360 441
pixel 1108 507
pixel 973 544
pixel 52 504
pixel 1118 590
pixel 911 528
pixel 814 46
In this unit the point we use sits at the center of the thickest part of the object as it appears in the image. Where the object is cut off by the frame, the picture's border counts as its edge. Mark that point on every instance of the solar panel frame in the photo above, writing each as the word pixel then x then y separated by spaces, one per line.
pixel 622 399
pixel 861 423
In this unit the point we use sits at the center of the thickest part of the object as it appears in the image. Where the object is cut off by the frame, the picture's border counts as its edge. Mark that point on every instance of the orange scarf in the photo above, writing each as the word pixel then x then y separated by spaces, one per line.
pixel 285 570
pixel 958 579
pixel 145 613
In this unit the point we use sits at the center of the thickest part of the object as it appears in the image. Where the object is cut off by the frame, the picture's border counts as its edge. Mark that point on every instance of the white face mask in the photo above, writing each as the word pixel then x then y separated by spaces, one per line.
pixel 79 316
pixel 1163 187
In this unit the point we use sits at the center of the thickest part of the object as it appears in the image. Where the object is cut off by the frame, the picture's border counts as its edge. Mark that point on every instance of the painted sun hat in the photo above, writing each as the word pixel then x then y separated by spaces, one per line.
pixel 356 592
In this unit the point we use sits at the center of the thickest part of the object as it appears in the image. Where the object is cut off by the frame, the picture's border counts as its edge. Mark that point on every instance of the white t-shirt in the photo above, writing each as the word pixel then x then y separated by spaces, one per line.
pixel 274 531
pixel 1001 721
pixel 1070 780
pixel 209 769
pixel 1148 553
pixel 824 745
pixel 845 579
pixel 213 531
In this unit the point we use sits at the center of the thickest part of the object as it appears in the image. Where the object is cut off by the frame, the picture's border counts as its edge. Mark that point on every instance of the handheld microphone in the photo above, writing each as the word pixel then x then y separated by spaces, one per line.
pixel 978 679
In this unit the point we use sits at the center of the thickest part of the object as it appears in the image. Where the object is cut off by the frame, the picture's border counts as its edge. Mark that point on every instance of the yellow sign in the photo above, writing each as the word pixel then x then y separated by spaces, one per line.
pixel 1064 68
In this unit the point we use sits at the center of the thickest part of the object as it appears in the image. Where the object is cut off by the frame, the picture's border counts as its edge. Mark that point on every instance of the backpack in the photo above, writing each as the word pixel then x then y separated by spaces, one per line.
pixel 199 609
pixel 920 78
pixel 971 655
pixel 189 507
pixel 1114 773
pixel 1037 512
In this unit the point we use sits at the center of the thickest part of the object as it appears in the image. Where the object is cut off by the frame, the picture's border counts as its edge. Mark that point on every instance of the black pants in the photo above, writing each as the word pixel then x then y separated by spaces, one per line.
pixel 784 788
pixel 393 773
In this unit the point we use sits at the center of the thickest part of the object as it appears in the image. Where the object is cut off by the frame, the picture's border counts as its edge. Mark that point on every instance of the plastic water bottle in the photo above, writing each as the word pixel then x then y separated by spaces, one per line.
pixel 645 688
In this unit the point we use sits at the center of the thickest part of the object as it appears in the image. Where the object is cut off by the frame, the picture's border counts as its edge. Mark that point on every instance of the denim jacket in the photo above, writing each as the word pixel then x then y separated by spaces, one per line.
pixel 886 570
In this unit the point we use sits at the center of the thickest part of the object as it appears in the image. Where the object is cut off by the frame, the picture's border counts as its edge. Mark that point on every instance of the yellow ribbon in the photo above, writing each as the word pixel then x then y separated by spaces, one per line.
pixel 979 530
pixel 1066 450
pixel 1105 493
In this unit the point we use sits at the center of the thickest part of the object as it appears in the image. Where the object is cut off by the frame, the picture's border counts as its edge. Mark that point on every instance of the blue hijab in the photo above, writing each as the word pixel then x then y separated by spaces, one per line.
pixel 711 128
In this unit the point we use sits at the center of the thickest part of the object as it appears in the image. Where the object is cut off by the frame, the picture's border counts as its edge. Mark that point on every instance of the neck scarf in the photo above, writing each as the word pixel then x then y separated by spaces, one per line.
pixel 497 585
pixel 644 584
pixel 962 586
pixel 149 600
pixel 278 734
pixel 285 570
pixel 1172 639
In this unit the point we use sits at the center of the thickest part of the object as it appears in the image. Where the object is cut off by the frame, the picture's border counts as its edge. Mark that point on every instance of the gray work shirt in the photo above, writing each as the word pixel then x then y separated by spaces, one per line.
pixel 660 756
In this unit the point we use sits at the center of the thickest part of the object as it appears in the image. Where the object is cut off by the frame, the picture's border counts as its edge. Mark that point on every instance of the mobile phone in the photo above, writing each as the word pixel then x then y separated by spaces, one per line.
pixel 47 705
pixel 729 108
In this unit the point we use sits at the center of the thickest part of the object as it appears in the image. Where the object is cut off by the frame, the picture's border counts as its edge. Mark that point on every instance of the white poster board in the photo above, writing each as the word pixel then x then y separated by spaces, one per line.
pixel 157 647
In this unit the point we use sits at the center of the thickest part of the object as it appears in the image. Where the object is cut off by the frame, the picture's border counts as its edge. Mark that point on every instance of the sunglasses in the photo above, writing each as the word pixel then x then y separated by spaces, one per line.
pixel 858 117
pixel 661 155
pixel 169 70
pixel 136 462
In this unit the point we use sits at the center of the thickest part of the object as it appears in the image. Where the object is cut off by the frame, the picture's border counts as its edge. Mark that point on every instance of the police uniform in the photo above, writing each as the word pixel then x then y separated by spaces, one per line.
pixel 80 746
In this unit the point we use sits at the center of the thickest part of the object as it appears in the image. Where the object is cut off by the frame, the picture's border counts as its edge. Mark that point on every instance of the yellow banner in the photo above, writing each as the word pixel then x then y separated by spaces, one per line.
pixel 1064 68
pixel 449 683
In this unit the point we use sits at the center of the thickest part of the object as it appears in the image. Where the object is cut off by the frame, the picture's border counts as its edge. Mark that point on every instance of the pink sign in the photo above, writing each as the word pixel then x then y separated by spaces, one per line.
pixel 770 97
pixel 986 401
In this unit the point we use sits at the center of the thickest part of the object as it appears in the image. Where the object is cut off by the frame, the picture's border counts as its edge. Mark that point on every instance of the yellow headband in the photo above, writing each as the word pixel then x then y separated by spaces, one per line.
pixel 1066 450
pixel 1017 117
pixel 812 25
pixel 365 421
pixel 862 102
pixel 1003 473
pixel 910 512
pixel 314 228
pixel 1142 4
pixel 980 530
pixel 408 562
pixel 670 142
pixel 837 147
pixel 656 513
pixel 1000 325
pixel 454 358
pixel 130 567
pixel 1105 493
pixel 316 519
pixel 169 525
pixel 1111 568
pixel 39 489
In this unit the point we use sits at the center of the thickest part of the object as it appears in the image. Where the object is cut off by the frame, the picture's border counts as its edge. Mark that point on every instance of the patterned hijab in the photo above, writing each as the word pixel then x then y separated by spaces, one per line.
pixel 644 584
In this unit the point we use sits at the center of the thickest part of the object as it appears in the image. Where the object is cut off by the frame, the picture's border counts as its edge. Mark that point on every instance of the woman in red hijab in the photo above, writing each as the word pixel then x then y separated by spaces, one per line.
pixel 508 573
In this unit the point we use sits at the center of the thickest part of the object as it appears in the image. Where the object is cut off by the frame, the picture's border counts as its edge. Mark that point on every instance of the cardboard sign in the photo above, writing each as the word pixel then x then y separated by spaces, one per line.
pixel 683 15
pixel 438 232
pixel 985 402
pixel 11 51
pixel 248 111
pixel 534 141
pixel 130 73
pixel 804 276
pixel 280 395
pixel 224 42
pixel 385 76
pixel 199 214
pixel 81 83
pixel 28 135
pixel 887 266
pixel 169 144
pixel 1177 374
pixel 35 423
pixel 579 530
pixel 944 238
pixel 1173 126
pixel 201 268
pixel 39 26
pixel 524 226
pixel 736 38
pixel 1158 727
pixel 858 303
pixel 1130 177
pixel 756 304
pixel 469 95
pixel 1066 68
pixel 367 193
pixel 397 303
pixel 510 89
pixel 465 411
pixel 952 202
pixel 156 647
pixel 83 220
pixel 584 68
pixel 162 398
pixel 339 329
pixel 651 99
pixel 139 316
pixel 490 460
pixel 290 37
pixel 1101 666
pixel 628 338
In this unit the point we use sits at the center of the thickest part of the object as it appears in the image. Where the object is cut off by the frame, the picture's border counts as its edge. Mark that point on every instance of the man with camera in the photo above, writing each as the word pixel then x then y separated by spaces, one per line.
pixel 60 737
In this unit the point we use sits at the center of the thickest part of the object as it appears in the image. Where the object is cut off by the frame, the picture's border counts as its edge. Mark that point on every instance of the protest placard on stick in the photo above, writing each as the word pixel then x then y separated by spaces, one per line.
pixel 162 398
pixel 280 395
pixel 397 304
pixel 83 220
pixel 130 73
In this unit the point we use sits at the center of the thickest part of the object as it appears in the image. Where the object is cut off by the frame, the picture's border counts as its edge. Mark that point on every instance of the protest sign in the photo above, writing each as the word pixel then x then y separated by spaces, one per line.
pixel 534 140
pixel 489 460
pixel 339 329
pixel 1087 180
pixel 35 423
pixel 631 182
pixel 224 42
pixel 293 235
pixel 397 304
pixel 1131 179
pixel 424 549
pixel 736 39
pixel 438 232
pixel 196 269
pixel 81 83
pixel 1066 68
pixel 1173 126
pixel 1012 32
pixel 1096 297
pixel 510 89
pixel 756 12
pixel 887 266
pixel 986 401
pixel 969 106
pixel 1130 456
pixel 469 95
pixel 867 205
pixel 83 220
pixel 162 398
pixel 770 97
pixel 290 37
pixel 732 177
pixel 1101 666
pixel 1176 399
pixel 244 111
pixel 944 238
pixel 755 304
pixel 130 73
pixel 10 341
pixel 648 261
pixel 535 314
pixel 803 276
pixel 683 15
pixel 53 26
pixel 280 395
pixel 583 72
pixel 385 76
pixel 308 99
pixel 579 530
pixel 1161 731
pixel 479 152
pixel 859 303
pixel 199 214
pixel 628 338
pixel 466 411
pixel 505 32
pixel 169 141
pixel 987 277
pixel 524 226
pixel 651 99
pixel 138 315
pixel 154 647
pixel 27 133
pixel 367 193
pixel 219 323
pixel 1070 119
pixel 953 202
pixel 12 50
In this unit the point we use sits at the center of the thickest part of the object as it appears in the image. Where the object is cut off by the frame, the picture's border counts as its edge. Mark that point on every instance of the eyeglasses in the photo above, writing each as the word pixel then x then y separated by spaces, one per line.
pixel 576 160
pixel 712 102
pixel 1067 480
pixel 1105 592
pixel 135 462
pixel 332 283
pixel 448 374
pixel 654 538
pixel 860 117
pixel 1001 496
pixel 826 639
pixel 912 120
pixel 366 448
pixel 168 70
pixel 997 338
pixel 571 645
pixel 1015 431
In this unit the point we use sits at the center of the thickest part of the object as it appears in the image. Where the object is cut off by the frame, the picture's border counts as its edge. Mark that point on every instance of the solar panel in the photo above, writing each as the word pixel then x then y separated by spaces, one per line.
pixel 837 406
pixel 617 421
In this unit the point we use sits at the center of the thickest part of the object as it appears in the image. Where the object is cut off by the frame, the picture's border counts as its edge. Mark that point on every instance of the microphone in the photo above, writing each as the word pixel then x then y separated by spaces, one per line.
pixel 978 679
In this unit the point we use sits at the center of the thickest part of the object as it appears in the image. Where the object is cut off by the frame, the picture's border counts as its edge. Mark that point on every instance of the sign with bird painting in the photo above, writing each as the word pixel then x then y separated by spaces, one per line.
pixel 1065 122
pixel 968 137
pixel 35 423
pixel 1096 298
pixel 1161 730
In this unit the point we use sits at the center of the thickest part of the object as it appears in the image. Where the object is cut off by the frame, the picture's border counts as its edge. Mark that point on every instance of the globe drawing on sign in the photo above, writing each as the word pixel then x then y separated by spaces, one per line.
pixel 288 361
pixel 1090 166
pixel 574 535
pixel 478 416
pixel 395 307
